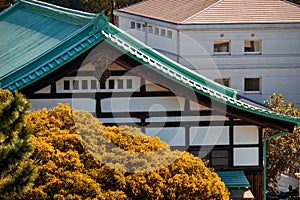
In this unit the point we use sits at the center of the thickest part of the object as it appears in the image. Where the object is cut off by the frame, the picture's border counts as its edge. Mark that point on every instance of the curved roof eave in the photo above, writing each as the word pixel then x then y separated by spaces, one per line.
pixel 176 72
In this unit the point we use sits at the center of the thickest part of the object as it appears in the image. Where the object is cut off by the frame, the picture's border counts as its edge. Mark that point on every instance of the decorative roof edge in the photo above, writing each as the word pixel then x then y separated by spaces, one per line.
pixel 185 76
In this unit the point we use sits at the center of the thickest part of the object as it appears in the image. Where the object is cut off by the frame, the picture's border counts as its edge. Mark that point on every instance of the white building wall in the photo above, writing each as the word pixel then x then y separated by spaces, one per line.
pixel 278 64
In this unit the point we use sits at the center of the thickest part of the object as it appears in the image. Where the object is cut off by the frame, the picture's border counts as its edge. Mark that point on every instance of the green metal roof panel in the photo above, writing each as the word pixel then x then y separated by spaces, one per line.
pixel 234 179
pixel 38 38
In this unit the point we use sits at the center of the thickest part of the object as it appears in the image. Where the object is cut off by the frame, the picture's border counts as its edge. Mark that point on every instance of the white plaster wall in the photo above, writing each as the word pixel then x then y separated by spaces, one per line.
pixel 212 135
pixel 248 156
pixel 146 104
pixel 173 136
pixel 245 135
pixel 79 104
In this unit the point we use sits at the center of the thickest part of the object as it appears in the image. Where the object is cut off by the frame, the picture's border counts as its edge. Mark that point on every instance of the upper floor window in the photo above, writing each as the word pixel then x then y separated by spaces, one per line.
pixel 163 32
pixel 223 81
pixel 252 85
pixel 150 29
pixel 169 34
pixel 138 26
pixel 132 25
pixel 221 46
pixel 156 31
pixel 252 46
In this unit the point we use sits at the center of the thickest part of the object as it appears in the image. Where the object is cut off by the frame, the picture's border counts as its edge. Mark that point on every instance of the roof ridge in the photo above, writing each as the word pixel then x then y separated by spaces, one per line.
pixel 212 5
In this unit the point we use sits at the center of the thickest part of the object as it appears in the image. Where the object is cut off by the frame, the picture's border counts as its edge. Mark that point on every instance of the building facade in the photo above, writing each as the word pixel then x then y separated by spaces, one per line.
pixel 252 46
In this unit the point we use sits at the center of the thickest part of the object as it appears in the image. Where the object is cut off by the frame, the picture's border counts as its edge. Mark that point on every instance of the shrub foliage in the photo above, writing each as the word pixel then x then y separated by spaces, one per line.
pixel 80 158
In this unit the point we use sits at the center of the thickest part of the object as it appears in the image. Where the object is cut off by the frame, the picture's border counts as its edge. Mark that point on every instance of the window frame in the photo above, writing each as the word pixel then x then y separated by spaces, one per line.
pixel 253 91
pixel 222 81
pixel 252 52
pixel 221 52
pixel 132 25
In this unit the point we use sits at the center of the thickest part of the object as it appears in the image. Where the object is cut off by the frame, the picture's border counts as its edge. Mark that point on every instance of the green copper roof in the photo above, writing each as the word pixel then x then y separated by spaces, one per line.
pixel 234 179
pixel 37 38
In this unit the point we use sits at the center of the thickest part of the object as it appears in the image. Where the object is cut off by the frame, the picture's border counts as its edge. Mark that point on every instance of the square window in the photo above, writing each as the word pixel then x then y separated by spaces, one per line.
pixel 102 85
pixel 129 84
pixel 169 34
pixel 163 32
pixel 111 84
pixel 120 84
pixel 252 85
pixel 252 46
pixel 150 29
pixel 223 81
pixel 75 85
pixel 66 85
pixel 93 84
pixel 156 31
pixel 132 25
pixel 219 158
pixel 84 84
pixel 138 26
pixel 144 27
pixel 222 46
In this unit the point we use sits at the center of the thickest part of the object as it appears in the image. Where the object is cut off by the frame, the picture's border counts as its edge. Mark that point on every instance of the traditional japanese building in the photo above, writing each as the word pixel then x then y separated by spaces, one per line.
pixel 249 45
pixel 54 54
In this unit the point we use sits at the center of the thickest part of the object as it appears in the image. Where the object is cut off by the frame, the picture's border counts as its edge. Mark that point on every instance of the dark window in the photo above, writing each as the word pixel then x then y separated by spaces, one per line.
pixel 252 85
pixel 66 85
pixel 219 158
pixel 156 31
pixel 138 26
pixel 93 84
pixel 120 84
pixel 111 84
pixel 102 85
pixel 169 34
pixel 129 84
pixel 84 84
pixel 252 46
pixel 163 32
pixel 223 81
pixel 221 46
pixel 132 25
pixel 75 85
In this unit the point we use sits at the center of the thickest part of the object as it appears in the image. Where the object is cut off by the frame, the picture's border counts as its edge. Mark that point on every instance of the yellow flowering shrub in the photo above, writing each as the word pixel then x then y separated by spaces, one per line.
pixel 80 158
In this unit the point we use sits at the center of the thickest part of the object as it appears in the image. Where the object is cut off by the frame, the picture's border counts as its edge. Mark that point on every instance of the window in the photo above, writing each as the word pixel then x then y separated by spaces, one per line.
pixel 111 84
pixel 120 84
pixel 219 158
pixel 102 85
pixel 132 25
pixel 163 32
pixel 223 81
pixel 93 84
pixel 75 85
pixel 129 84
pixel 156 31
pixel 138 26
pixel 222 46
pixel 252 46
pixel 169 34
pixel 150 29
pixel 144 27
pixel 84 84
pixel 66 85
pixel 252 85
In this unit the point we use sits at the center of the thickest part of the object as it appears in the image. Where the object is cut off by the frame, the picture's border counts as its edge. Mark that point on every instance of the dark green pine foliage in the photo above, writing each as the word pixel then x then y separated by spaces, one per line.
pixel 16 169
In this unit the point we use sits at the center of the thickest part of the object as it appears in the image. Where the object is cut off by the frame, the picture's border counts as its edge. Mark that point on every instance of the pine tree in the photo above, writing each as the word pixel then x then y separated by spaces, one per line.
pixel 16 169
